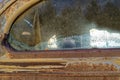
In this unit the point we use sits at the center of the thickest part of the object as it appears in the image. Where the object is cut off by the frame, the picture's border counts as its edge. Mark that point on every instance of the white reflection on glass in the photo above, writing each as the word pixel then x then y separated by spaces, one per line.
pixel 28 22
pixel 26 33
pixel 52 42
pixel 104 39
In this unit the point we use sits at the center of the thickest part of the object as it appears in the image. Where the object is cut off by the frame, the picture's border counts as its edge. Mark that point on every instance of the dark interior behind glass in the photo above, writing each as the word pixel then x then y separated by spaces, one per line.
pixel 67 25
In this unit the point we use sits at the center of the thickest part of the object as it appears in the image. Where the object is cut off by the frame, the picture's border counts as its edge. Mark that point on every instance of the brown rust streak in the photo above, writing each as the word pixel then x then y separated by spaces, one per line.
pixel 66 74
pixel 7 6
pixel 65 54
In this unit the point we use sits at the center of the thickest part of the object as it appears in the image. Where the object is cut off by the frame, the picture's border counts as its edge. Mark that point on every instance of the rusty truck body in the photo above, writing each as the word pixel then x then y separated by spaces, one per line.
pixel 60 39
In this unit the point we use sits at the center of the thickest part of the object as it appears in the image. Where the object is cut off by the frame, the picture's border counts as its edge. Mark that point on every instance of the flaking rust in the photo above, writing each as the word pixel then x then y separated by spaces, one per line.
pixel 50 68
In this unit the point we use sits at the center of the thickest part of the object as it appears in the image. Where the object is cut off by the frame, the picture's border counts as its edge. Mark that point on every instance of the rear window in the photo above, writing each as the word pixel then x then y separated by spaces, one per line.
pixel 67 24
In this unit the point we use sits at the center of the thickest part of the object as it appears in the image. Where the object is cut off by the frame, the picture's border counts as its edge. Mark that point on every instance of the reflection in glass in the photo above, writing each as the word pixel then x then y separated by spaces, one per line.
pixel 52 42
pixel 104 39
pixel 56 25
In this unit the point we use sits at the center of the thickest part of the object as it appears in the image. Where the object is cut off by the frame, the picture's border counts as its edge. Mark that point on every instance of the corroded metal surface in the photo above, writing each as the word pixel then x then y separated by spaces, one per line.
pixel 49 77
pixel 101 68
pixel 8 8
pixel 13 6
pixel 82 69
pixel 12 9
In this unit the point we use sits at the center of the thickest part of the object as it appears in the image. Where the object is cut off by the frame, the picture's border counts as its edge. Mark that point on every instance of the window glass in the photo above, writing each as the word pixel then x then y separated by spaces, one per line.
pixel 68 24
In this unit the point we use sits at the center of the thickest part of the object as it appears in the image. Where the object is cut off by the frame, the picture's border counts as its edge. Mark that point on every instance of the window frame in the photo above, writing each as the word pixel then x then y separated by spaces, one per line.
pixel 74 53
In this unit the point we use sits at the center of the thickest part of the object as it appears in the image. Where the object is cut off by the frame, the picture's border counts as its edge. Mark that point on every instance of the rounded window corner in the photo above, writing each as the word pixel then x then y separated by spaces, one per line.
pixel 54 26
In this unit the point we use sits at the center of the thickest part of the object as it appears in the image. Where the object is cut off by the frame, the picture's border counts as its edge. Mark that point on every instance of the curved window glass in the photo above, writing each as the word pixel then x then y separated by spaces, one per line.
pixel 68 24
